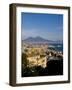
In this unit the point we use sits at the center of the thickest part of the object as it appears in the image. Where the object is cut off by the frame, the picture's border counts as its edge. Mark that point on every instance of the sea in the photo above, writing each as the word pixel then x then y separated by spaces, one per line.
pixel 58 47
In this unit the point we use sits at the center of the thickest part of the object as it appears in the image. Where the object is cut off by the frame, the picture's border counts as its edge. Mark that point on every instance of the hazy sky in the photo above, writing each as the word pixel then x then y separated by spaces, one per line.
pixel 48 26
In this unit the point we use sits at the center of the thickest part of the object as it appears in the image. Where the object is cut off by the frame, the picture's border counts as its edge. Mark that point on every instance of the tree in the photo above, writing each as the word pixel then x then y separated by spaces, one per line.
pixel 24 60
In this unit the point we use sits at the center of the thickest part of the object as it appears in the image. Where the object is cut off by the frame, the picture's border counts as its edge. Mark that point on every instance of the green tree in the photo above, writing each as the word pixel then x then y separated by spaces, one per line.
pixel 24 60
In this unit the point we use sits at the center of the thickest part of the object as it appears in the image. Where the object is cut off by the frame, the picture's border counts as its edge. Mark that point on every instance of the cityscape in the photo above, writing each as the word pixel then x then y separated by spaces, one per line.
pixel 41 54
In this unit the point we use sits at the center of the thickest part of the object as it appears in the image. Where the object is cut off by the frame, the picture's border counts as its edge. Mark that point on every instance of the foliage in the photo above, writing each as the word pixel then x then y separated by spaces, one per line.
pixel 24 60
pixel 54 67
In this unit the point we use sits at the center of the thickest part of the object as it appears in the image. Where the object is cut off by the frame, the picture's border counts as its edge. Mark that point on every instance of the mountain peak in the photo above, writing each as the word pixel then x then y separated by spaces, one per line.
pixel 39 39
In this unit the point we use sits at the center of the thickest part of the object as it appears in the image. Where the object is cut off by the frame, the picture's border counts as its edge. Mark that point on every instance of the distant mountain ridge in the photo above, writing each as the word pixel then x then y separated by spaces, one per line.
pixel 40 40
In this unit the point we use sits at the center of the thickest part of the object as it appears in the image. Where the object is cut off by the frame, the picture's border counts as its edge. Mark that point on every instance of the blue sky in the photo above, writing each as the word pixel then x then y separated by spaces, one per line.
pixel 48 26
